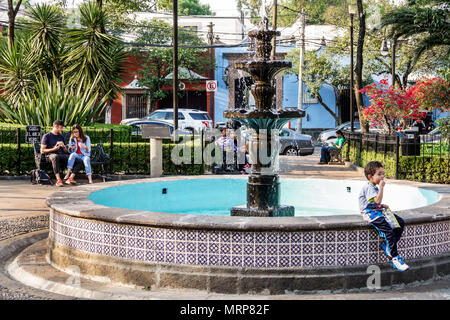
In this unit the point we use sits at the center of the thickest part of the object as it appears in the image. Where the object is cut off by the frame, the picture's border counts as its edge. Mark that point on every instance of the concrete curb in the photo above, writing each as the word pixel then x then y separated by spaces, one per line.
pixel 88 289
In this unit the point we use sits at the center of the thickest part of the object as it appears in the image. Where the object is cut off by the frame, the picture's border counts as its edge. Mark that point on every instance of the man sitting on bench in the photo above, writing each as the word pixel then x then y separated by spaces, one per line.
pixel 55 151
pixel 325 151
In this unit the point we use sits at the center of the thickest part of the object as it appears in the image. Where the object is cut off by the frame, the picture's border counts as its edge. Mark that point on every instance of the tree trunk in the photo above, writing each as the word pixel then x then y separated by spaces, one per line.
pixel 12 13
pixel 319 97
pixel 359 64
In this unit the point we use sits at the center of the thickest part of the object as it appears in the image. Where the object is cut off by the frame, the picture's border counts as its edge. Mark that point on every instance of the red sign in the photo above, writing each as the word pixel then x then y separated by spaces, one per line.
pixel 211 85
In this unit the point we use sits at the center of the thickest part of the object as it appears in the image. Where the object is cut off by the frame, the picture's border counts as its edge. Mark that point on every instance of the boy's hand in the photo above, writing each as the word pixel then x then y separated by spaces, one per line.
pixel 382 184
pixel 385 206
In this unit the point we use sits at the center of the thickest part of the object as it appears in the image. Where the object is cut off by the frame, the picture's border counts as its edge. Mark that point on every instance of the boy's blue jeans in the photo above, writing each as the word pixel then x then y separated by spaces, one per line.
pixel 391 236
pixel 86 161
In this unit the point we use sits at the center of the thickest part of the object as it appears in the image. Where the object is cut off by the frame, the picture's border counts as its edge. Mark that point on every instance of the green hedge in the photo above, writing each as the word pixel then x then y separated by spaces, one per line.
pixel 415 168
pixel 97 133
pixel 128 158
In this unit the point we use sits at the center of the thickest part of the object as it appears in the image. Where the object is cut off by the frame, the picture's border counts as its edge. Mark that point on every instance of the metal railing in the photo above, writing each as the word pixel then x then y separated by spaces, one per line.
pixel 424 158
pixel 129 152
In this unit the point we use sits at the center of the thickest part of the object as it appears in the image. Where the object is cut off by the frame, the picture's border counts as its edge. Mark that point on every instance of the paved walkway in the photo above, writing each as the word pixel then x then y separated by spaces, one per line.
pixel 23 210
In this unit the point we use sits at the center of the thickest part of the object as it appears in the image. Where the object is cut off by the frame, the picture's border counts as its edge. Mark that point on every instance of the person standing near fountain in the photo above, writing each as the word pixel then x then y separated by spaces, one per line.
pixel 371 207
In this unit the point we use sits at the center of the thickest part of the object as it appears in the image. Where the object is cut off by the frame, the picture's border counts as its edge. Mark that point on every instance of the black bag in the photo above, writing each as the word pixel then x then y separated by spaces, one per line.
pixel 40 177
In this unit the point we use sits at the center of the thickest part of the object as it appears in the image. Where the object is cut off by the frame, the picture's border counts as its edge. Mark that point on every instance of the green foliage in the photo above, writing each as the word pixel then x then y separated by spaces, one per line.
pixel 47 50
pixel 317 12
pixel 45 28
pixel 156 62
pixel 128 158
pixel 424 168
pixel 53 99
pixel 444 127
pixel 97 133
pixel 94 54
pixel 18 67
pixel 429 22
pixel 186 7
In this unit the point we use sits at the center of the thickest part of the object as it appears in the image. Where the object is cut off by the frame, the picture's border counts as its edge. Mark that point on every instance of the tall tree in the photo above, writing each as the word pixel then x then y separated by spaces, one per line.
pixel 12 13
pixel 361 17
pixel 186 7
pixel 156 59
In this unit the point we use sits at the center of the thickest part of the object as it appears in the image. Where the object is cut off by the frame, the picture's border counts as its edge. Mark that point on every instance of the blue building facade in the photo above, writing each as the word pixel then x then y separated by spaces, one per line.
pixel 316 116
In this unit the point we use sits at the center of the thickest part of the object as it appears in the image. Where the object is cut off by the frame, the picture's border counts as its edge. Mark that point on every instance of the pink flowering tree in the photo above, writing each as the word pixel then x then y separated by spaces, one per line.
pixel 390 106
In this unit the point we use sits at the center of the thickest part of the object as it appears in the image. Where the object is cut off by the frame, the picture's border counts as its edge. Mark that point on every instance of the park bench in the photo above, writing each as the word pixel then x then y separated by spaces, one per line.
pixel 98 158
pixel 336 155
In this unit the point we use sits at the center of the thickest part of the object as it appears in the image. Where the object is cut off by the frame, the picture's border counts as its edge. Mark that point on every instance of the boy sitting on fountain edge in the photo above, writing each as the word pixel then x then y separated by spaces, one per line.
pixel 388 225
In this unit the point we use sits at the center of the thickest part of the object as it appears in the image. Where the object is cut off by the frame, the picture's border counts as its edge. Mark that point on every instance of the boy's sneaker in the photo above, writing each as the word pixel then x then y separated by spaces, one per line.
pixel 399 264
pixel 385 249
pixel 59 183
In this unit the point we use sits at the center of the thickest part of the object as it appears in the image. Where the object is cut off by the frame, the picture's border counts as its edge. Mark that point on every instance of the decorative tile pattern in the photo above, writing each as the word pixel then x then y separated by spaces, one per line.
pixel 244 249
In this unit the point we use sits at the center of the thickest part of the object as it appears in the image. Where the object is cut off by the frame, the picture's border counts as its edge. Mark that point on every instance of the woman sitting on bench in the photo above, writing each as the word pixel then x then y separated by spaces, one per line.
pixel 325 151
pixel 79 147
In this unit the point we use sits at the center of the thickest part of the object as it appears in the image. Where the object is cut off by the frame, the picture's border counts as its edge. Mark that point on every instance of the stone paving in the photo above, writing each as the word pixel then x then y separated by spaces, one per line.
pixel 23 210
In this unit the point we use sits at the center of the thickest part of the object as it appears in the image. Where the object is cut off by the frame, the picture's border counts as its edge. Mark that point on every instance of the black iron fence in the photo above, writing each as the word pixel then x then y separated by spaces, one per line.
pixel 424 158
pixel 130 153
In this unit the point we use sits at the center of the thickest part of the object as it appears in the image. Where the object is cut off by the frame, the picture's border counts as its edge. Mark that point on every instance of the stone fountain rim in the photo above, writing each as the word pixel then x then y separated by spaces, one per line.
pixel 75 202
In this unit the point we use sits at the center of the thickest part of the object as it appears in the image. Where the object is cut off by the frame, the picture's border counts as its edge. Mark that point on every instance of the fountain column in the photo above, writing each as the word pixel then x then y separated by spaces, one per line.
pixel 263 187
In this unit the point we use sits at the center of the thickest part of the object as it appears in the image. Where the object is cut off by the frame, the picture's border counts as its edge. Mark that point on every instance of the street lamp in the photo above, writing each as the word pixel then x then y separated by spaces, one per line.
pixel 352 10
pixel 385 51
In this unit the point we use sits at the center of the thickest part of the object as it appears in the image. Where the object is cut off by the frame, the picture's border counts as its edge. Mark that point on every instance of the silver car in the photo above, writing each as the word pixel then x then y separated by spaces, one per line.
pixel 331 133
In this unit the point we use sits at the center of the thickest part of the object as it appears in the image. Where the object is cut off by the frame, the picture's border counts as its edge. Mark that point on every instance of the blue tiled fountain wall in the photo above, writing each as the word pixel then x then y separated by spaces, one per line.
pixel 304 249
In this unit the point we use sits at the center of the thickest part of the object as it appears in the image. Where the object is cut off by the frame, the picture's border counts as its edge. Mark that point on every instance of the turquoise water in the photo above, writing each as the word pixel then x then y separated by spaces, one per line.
pixel 215 196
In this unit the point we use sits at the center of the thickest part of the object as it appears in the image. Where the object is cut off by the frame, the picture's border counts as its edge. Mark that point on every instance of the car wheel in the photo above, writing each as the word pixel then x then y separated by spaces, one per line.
pixel 290 151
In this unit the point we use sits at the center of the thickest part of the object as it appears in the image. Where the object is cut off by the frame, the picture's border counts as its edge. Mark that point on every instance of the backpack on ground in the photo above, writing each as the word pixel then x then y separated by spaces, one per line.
pixel 40 177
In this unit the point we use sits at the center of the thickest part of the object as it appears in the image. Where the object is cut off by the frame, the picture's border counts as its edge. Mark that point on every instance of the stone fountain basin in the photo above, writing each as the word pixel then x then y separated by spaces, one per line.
pixel 237 254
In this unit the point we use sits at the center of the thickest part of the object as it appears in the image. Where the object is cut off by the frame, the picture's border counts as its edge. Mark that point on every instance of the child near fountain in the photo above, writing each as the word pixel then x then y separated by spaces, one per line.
pixel 389 226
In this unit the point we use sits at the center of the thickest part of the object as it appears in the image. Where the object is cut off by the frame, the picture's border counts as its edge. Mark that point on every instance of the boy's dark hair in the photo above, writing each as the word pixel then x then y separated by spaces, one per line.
pixel 371 167
pixel 339 132
pixel 58 123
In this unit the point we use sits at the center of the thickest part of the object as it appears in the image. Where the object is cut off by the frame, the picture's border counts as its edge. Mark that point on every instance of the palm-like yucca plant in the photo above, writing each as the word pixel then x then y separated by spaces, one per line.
pixel 45 28
pixel 54 99
pixel 18 68
pixel 93 53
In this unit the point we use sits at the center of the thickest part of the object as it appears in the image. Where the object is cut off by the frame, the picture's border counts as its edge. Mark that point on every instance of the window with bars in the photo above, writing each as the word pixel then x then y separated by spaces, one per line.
pixel 136 105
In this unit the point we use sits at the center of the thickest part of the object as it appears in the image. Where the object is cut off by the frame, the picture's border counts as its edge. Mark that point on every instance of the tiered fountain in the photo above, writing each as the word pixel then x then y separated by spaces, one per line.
pixel 263 194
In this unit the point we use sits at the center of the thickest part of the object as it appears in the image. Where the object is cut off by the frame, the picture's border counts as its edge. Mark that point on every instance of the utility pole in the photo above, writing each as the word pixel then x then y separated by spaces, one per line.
pixel 210 36
pixel 274 27
pixel 300 68
pixel 352 113
pixel 175 69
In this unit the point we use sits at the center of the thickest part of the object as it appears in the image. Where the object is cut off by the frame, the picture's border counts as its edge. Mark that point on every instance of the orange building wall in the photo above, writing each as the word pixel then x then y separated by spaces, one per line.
pixel 131 68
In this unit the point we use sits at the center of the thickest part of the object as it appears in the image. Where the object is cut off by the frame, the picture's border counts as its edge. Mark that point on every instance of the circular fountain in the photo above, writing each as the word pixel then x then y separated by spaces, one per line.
pixel 166 233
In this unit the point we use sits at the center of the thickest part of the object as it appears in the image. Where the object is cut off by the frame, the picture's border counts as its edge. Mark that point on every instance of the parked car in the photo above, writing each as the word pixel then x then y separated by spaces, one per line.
pixel 188 119
pixel 331 133
pixel 434 136
pixel 137 127
pixel 294 143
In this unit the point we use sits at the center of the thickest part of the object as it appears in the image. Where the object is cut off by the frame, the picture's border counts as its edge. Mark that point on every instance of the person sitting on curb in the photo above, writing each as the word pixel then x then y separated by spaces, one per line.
pixel 55 151
pixel 325 151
